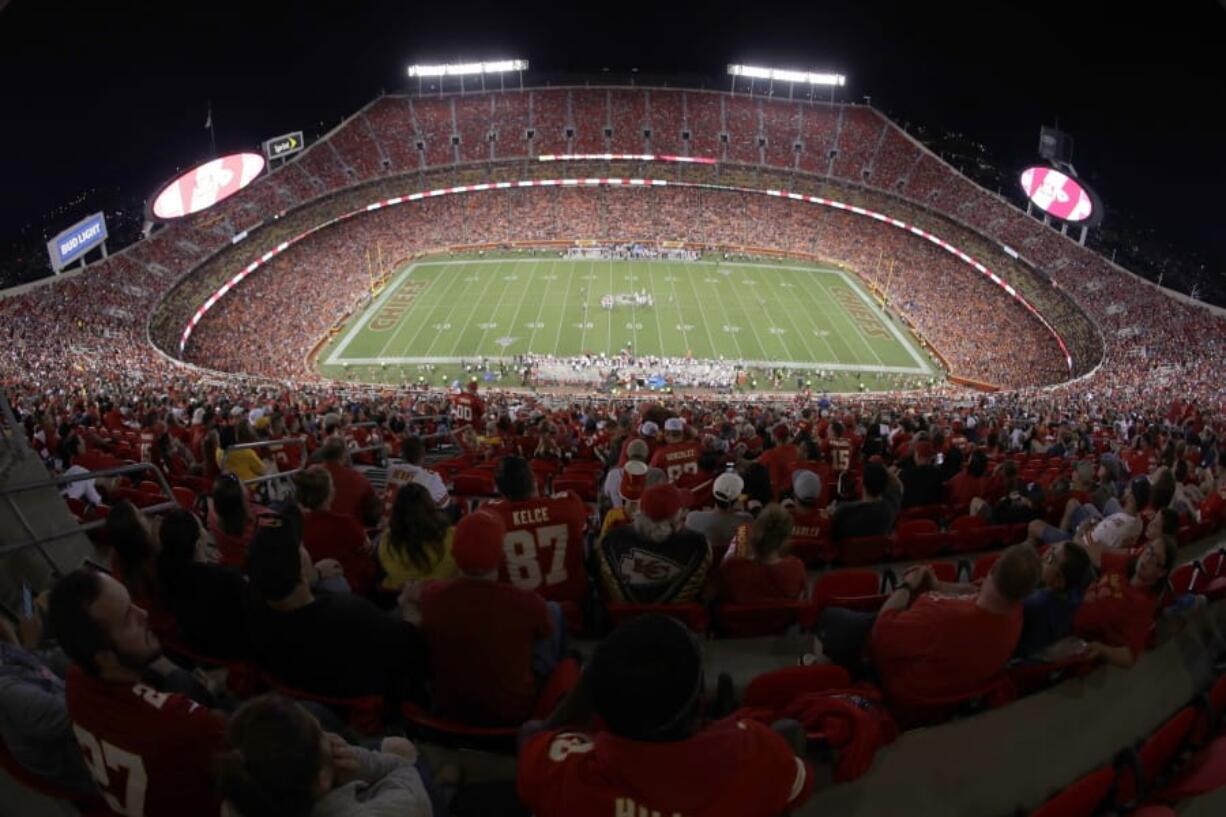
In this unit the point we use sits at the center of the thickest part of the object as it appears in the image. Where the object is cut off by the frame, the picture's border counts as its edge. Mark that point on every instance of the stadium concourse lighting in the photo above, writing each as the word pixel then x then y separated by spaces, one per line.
pixel 467 68
pixel 809 79
pixel 461 70
pixel 803 77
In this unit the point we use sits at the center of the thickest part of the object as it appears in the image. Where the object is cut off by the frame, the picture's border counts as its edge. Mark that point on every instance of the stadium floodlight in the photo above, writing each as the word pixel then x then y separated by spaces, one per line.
pixel 468 68
pixel 803 77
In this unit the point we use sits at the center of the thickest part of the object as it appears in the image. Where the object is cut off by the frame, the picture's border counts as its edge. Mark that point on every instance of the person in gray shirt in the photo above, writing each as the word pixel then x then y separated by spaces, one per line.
pixel 719 525
pixel 34 724
pixel 282 762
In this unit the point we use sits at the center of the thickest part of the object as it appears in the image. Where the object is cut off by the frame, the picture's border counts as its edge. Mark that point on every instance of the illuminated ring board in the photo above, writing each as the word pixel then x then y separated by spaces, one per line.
pixel 600 182
pixel 1057 194
pixel 207 184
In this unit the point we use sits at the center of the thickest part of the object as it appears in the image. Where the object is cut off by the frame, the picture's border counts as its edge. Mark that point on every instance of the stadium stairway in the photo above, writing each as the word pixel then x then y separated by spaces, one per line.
pixel 32 515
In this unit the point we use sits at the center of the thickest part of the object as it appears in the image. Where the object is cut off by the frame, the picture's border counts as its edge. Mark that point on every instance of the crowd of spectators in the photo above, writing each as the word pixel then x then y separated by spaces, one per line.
pixel 478 612
pixel 89 327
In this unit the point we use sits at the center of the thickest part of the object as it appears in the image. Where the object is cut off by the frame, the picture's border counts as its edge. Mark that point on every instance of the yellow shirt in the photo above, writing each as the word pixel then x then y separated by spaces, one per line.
pixel 244 463
pixel 399 570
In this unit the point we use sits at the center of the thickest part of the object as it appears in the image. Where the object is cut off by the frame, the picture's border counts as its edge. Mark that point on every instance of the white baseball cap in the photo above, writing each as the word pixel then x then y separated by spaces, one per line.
pixel 649 429
pixel 727 487
pixel 806 484
pixel 674 424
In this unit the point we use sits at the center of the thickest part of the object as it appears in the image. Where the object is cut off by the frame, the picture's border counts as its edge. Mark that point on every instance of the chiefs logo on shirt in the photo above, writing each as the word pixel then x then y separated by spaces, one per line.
pixel 644 567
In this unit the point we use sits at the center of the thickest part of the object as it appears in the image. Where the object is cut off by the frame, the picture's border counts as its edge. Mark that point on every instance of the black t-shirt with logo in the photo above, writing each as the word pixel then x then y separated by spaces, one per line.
pixel 638 571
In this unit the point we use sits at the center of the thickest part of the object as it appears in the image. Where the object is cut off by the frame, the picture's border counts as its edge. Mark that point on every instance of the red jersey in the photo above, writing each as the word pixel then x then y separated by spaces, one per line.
pixel 842 451
pixel 942 645
pixel 151 753
pixel 328 535
pixel 544 546
pixel 481 635
pixel 147 441
pixel 676 459
pixel 1116 612
pixel 567 773
pixel 810 539
pixel 467 410
pixel 1137 461
pixel 780 461
pixel 354 493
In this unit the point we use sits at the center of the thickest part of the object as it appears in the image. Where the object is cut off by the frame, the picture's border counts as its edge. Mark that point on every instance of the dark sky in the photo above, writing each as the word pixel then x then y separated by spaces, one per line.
pixel 114 93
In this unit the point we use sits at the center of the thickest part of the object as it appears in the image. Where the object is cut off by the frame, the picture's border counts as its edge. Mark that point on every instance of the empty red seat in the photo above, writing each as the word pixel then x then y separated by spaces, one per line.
pixel 853 589
pixel 864 550
pixel 766 618
pixel 364 713
pixel 1141 768
pixel 966 533
pixel 918 539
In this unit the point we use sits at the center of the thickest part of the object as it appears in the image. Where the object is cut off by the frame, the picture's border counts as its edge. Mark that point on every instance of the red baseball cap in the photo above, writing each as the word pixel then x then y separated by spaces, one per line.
pixel 634 478
pixel 477 546
pixel 664 501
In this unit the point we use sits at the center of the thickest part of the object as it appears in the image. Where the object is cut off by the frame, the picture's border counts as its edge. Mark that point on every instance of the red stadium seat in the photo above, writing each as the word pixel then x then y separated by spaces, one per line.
pixel 1081 799
pixel 864 550
pixel 933 512
pixel 456 733
pixel 1139 769
pixel 918 539
pixel 767 618
pixel 185 497
pixel 966 534
pixel 364 713
pixel 584 488
pixel 693 616
pixel 853 589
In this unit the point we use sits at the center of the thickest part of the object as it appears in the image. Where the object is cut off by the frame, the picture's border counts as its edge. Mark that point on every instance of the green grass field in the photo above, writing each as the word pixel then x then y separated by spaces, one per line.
pixel 437 316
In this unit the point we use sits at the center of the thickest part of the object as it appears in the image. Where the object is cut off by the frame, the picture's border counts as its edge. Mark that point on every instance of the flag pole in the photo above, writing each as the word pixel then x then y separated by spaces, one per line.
pixel 208 123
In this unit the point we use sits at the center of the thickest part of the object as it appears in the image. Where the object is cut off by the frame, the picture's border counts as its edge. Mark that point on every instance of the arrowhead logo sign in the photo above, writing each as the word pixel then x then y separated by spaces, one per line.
pixel 285 145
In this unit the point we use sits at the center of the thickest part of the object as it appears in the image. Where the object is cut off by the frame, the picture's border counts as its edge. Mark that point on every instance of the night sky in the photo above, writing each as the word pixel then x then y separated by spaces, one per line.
pixel 109 98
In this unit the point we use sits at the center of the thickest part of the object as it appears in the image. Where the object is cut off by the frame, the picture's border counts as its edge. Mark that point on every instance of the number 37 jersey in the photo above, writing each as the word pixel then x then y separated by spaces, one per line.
pixel 150 752
pixel 544 547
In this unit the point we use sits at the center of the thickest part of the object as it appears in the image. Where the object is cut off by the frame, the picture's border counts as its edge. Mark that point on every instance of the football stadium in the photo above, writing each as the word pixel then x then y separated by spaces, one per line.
pixel 620 448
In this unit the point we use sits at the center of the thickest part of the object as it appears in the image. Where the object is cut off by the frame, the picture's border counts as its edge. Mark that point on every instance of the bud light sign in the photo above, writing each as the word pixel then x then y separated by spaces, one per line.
pixel 73 243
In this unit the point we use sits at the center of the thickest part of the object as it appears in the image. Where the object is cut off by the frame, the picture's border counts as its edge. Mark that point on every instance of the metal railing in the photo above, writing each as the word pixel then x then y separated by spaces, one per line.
pixel 37 541
pixel 265 482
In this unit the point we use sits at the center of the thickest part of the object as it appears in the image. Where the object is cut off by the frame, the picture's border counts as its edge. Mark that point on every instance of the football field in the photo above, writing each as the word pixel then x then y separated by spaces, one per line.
pixel 437 315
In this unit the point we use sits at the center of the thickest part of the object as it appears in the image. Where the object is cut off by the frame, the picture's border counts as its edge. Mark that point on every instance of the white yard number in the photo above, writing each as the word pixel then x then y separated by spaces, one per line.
pixel 100 756
pixel 675 471
pixel 463 412
pixel 523 561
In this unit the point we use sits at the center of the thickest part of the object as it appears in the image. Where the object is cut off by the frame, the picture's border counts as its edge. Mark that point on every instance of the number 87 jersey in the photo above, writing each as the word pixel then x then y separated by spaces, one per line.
pixel 543 549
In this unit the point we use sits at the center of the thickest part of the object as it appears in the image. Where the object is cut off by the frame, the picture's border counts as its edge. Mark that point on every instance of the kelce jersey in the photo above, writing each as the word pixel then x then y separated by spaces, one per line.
pixel 566 773
pixel 467 410
pixel 151 753
pixel 676 459
pixel 544 545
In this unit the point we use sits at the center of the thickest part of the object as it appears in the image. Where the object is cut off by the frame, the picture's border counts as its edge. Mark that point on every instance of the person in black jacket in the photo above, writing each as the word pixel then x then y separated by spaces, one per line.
pixel 210 602
pixel 922 482
pixel 335 644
